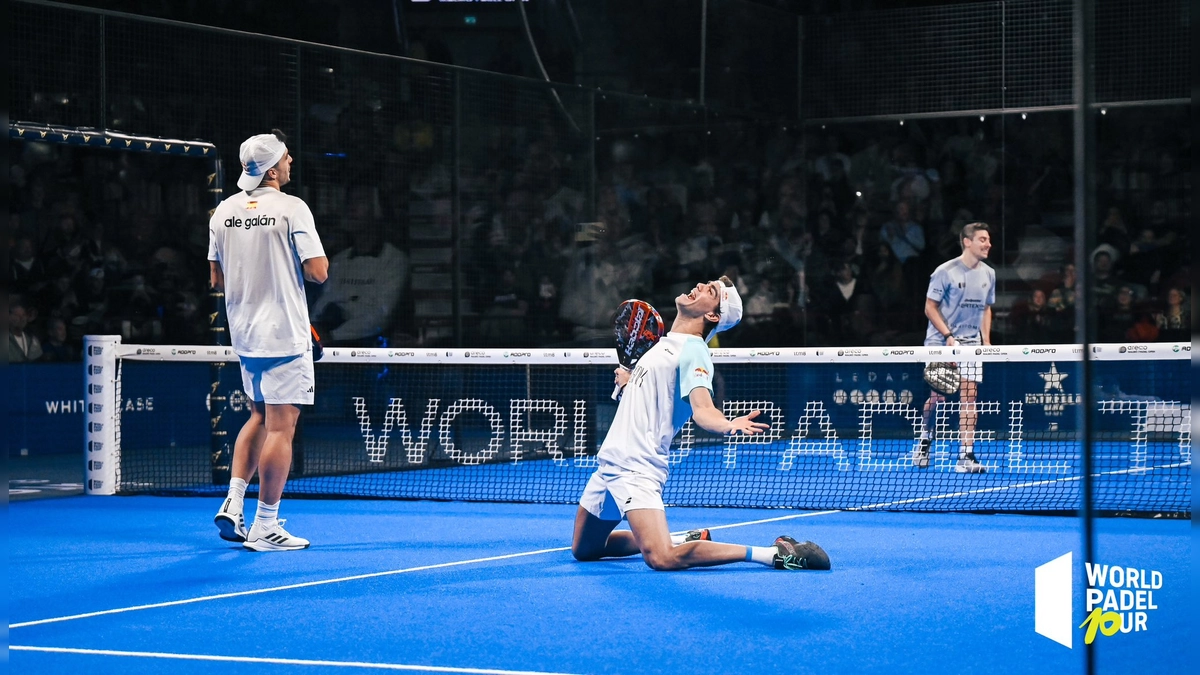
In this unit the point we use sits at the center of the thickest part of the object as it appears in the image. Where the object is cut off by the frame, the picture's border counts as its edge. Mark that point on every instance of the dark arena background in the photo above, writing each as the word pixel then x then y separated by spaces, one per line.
pixel 490 180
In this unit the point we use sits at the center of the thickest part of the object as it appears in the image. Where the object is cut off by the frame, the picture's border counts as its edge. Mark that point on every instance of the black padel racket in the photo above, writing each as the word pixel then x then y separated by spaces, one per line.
pixel 637 328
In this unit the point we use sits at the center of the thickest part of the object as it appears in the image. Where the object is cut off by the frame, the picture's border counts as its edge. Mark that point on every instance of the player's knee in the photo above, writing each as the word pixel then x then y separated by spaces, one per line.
pixel 583 554
pixel 663 561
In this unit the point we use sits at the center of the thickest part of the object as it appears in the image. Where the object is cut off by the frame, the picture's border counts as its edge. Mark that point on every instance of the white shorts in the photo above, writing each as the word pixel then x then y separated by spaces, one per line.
pixel 611 492
pixel 970 371
pixel 279 379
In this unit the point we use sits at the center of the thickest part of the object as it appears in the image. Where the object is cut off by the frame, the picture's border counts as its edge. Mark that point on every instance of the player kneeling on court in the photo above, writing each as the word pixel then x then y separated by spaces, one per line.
pixel 670 384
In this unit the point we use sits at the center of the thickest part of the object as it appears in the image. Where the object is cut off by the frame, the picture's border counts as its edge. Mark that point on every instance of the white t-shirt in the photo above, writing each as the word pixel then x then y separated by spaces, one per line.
pixel 655 405
pixel 261 238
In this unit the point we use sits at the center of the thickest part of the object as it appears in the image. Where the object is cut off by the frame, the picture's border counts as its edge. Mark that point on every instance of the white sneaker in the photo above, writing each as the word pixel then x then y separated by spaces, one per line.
pixel 231 523
pixel 274 538
pixel 968 464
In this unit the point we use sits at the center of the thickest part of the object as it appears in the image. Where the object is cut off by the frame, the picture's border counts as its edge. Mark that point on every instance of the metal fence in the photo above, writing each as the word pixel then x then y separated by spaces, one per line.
pixel 518 212
pixel 989 56
pixel 447 165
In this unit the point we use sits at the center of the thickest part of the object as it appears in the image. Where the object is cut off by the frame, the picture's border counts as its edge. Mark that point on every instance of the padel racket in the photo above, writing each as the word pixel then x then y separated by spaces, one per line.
pixel 943 377
pixel 637 328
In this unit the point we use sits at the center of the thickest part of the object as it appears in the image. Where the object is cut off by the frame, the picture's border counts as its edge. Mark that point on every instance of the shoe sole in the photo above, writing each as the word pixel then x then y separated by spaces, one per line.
pixel 228 529
pixel 971 469
pixel 266 546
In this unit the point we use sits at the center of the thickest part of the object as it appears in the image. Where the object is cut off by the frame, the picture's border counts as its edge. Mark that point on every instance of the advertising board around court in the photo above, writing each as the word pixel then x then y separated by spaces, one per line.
pixel 47 406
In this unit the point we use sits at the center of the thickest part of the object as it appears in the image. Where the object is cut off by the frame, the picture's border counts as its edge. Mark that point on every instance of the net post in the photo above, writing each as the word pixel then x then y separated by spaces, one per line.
pixel 101 414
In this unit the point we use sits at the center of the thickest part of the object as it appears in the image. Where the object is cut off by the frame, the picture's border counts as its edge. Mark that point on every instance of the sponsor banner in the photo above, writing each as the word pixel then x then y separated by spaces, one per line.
pixel 49 414
pixel 1134 351
pixel 426 355
pixel 544 355
pixel 198 353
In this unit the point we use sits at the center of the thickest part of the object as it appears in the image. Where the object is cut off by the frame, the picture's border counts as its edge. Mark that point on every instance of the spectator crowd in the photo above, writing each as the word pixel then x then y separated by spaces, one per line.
pixel 829 234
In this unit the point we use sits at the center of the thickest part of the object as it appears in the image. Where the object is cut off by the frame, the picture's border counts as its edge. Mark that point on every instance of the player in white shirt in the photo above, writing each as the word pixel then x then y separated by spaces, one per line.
pixel 262 245
pixel 958 304
pixel 670 384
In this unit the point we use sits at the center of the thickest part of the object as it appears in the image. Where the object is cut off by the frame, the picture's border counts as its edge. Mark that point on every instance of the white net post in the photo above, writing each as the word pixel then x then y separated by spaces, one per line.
pixel 102 414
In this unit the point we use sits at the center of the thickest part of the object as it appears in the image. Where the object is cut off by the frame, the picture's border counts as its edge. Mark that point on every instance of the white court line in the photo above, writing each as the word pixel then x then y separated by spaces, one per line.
pixel 357 577
pixel 288 587
pixel 275 661
pixel 772 520
pixel 1017 486
pixel 457 563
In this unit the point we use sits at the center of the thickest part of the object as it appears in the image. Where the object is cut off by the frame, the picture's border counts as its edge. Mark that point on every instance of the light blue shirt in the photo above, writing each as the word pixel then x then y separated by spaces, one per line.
pixel 963 295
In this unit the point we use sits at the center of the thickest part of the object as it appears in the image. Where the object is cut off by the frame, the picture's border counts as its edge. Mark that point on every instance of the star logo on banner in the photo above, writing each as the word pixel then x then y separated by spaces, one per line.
pixel 1054 378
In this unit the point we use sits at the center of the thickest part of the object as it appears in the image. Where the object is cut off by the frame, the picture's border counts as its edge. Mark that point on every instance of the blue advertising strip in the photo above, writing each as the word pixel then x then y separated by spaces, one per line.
pixel 161 405
pixel 164 404
pixel 45 409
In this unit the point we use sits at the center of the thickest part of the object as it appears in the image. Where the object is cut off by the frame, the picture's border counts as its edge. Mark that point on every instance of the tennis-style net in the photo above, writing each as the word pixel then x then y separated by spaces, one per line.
pixel 525 425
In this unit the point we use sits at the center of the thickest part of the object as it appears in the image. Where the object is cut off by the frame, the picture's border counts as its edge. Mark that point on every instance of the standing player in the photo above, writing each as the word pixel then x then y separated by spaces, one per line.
pixel 959 303
pixel 671 383
pixel 262 246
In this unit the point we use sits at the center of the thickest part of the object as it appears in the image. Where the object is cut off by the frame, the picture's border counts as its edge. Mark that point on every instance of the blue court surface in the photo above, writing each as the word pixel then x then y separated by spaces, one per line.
pixel 143 585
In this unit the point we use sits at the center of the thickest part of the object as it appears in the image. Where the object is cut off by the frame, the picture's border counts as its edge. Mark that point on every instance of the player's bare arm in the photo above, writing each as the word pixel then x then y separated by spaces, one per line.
pixel 316 270
pixel 985 327
pixel 709 418
pixel 216 278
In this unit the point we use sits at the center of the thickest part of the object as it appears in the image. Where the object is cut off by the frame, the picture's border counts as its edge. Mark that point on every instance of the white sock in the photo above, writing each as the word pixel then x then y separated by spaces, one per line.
pixel 237 492
pixel 677 539
pixel 925 435
pixel 267 514
pixel 764 555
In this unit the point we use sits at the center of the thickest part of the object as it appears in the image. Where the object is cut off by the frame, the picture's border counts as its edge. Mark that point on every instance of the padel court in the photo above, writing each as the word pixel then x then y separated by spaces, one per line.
pixel 121 584
pixel 463 467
